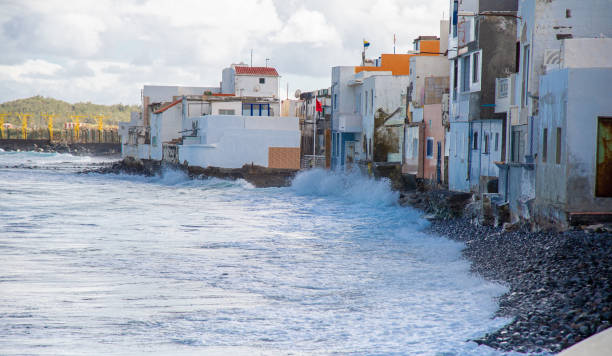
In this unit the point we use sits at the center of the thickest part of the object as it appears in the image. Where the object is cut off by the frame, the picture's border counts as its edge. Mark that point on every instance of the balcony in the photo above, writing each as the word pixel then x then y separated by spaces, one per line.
pixel 502 95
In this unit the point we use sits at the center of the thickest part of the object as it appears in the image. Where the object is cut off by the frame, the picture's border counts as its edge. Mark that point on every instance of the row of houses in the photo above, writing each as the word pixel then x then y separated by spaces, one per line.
pixel 236 123
pixel 511 101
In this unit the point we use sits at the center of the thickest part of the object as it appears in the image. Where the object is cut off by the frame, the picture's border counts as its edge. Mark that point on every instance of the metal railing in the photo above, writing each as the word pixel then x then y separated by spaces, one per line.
pixel 311 161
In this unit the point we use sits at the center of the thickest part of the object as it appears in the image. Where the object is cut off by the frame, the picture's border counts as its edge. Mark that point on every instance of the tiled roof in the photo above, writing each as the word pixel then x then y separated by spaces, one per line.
pixel 268 71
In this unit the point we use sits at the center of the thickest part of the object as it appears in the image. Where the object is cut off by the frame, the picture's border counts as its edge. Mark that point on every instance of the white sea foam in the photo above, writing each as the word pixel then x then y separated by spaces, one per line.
pixel 353 187
pixel 154 264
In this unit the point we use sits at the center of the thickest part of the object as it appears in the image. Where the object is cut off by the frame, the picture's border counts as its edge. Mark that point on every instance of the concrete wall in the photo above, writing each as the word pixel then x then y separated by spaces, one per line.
pixel 434 129
pixel 482 165
pixel 163 93
pixel 458 157
pixel 227 81
pixel 248 85
pixel 165 126
pixel 569 186
pixel 343 96
pixel 586 53
pixel 421 68
pixel 387 90
pixel 542 21
pixel 226 105
pixel 233 141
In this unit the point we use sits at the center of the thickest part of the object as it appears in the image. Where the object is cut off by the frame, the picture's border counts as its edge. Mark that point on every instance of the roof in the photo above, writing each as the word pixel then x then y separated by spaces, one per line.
pixel 166 107
pixel 268 71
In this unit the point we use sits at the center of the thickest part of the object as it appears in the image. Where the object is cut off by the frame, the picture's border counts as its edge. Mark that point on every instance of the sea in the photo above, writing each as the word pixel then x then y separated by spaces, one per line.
pixel 105 264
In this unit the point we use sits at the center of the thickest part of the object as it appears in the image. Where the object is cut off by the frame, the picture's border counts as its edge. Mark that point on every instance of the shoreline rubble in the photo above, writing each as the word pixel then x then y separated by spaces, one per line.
pixel 560 283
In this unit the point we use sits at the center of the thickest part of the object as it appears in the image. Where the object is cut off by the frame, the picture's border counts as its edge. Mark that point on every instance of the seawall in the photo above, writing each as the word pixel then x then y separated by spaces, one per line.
pixel 260 177
pixel 80 149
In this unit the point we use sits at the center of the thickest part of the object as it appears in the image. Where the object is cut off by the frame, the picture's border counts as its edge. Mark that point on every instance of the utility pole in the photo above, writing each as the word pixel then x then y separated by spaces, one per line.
pixel 267 59
pixel 251 57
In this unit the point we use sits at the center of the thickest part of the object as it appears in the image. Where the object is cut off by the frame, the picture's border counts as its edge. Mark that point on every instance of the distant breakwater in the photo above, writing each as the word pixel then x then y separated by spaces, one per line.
pixel 78 149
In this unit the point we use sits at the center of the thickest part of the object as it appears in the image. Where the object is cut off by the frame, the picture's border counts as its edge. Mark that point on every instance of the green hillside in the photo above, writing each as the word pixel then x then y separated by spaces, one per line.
pixel 38 104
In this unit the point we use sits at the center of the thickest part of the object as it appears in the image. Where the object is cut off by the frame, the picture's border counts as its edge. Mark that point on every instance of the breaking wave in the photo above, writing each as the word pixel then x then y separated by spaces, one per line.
pixel 352 186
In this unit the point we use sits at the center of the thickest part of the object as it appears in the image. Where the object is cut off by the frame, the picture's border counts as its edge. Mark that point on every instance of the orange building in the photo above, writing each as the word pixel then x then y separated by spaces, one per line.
pixel 399 64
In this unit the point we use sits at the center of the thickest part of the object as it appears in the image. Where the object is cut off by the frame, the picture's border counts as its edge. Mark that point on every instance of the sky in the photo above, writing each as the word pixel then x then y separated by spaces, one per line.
pixel 104 51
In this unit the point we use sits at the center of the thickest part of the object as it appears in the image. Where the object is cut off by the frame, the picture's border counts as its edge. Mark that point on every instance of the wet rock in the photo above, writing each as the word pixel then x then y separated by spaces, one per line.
pixel 559 283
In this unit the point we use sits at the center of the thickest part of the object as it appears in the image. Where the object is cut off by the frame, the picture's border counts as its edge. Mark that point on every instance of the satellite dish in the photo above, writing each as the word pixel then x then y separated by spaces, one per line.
pixel 257 88
pixel 298 93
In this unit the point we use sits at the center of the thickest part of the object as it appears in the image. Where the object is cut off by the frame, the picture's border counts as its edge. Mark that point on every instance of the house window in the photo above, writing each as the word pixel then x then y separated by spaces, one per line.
pixel 525 69
pixel 465 73
pixel 371 101
pixel 227 112
pixel 253 109
pixel 430 142
pixel 455 79
pixel 544 144
pixel 415 148
pixel 365 102
pixel 455 17
pixel 558 158
pixel 475 140
pixel 335 101
pixel 262 80
pixel 496 141
pixel 475 70
pixel 485 143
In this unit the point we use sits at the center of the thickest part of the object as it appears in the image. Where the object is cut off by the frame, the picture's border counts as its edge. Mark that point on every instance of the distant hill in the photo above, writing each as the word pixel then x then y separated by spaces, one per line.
pixel 38 104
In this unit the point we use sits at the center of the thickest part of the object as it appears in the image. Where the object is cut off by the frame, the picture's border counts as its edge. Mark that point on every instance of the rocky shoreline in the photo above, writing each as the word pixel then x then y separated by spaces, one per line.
pixel 260 177
pixel 560 283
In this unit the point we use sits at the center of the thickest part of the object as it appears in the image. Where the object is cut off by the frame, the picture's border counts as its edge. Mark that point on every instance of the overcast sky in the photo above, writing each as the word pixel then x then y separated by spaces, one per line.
pixel 104 51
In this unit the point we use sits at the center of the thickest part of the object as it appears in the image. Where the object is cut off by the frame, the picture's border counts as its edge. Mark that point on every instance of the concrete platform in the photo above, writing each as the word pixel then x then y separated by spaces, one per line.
pixel 597 345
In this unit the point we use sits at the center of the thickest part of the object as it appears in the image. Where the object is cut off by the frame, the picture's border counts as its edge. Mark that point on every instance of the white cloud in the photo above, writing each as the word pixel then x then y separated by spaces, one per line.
pixel 307 26
pixel 105 50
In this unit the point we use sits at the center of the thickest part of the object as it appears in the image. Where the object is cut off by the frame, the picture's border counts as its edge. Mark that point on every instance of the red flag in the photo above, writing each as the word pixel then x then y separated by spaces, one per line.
pixel 319 106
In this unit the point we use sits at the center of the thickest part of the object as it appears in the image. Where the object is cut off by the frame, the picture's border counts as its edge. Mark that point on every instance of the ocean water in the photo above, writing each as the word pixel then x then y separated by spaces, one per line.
pixel 128 265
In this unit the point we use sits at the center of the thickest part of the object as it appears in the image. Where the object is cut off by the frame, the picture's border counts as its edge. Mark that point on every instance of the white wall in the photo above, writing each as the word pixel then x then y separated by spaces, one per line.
pixel 226 105
pixel 162 93
pixel 422 67
pixel 233 141
pixel 248 85
pixel 343 96
pixel 165 127
pixel 586 53
pixel 227 81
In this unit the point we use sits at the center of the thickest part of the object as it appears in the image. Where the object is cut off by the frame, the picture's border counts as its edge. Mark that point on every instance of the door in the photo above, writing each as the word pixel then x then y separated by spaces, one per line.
pixel 603 184
pixel 350 154
pixel 439 163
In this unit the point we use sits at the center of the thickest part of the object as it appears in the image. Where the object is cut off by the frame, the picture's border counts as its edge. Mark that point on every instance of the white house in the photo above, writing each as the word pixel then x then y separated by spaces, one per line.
pixel 233 141
pixel 242 80
pixel 574 164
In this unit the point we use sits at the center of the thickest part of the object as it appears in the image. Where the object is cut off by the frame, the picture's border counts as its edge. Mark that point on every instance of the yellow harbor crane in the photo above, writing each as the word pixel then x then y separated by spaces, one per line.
pixel 49 118
pixel 77 125
pixel 100 119
pixel 2 117
pixel 24 124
